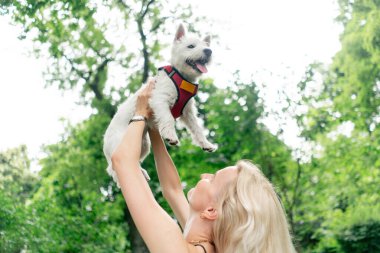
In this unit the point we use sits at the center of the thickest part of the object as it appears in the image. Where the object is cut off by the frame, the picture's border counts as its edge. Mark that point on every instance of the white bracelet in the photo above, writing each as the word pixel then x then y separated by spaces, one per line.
pixel 137 118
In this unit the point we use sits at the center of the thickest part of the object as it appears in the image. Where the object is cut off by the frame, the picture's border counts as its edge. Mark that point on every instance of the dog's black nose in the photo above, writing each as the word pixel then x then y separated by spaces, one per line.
pixel 207 52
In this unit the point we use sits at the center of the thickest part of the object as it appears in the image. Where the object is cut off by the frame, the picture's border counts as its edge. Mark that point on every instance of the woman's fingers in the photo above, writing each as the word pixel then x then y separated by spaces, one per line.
pixel 147 91
pixel 151 84
pixel 142 106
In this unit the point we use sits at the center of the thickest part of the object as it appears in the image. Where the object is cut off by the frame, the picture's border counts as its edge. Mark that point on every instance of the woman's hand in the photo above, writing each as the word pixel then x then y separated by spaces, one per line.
pixel 142 104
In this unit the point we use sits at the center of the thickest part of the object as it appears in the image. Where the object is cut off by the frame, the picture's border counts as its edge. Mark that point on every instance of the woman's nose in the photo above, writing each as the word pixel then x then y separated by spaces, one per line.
pixel 205 176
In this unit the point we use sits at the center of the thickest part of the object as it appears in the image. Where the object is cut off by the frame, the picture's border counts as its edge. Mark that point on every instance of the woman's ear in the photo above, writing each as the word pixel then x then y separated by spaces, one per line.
pixel 209 213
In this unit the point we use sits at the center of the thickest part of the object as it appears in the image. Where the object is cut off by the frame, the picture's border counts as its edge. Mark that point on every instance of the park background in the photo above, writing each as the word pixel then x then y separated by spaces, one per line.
pixel 295 87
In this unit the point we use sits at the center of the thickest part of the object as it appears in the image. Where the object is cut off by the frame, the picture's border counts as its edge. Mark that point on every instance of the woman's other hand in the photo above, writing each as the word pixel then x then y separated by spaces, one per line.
pixel 142 104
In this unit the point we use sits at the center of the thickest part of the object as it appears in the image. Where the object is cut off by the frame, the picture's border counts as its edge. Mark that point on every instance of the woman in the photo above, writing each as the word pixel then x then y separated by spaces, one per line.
pixel 233 210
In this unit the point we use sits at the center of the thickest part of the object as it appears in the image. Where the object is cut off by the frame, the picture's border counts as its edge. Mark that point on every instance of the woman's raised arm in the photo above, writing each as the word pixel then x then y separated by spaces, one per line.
pixel 157 228
pixel 169 178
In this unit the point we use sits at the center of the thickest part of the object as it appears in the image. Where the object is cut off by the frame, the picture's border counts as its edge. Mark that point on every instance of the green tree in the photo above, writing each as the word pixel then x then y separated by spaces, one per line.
pixel 351 86
pixel 341 191
pixel 16 185
pixel 356 67
pixel 75 201
pixel 15 176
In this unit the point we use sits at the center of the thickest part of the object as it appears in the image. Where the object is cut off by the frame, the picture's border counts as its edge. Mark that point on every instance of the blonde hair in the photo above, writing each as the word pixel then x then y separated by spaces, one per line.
pixel 250 216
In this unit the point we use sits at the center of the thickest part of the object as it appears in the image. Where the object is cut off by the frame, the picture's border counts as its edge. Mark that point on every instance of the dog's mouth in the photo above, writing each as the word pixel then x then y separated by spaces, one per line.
pixel 198 65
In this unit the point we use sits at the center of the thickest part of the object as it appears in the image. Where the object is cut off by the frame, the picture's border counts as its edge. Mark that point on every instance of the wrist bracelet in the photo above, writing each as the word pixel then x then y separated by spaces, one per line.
pixel 137 118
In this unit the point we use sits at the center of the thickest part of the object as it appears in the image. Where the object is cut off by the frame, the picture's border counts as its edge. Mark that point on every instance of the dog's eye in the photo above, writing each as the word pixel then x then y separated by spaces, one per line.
pixel 190 46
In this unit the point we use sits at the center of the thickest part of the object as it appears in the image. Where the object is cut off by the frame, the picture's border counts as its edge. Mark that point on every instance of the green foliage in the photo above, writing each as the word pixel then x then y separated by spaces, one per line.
pixel 361 237
pixel 16 185
pixel 78 156
pixel 356 67
pixel 15 176
pixel 351 86
pixel 75 200
pixel 45 226
pixel 73 209
pixel 360 232
pixel 13 234
pixel 92 227
pixel 336 185
pixel 355 230
pixel 338 211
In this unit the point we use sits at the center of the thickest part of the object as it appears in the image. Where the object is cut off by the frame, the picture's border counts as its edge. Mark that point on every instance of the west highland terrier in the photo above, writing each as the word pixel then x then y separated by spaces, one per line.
pixel 171 98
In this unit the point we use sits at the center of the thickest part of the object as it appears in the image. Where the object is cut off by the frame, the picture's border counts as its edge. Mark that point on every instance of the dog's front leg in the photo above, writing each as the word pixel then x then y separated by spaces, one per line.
pixel 164 121
pixel 190 120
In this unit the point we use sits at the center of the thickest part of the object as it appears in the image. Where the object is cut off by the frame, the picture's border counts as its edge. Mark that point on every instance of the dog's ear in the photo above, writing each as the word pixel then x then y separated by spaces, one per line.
pixel 207 39
pixel 180 32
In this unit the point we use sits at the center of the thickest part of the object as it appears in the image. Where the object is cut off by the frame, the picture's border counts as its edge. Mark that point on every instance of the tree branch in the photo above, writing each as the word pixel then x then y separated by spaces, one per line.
pixel 144 12
pixel 158 24
pixel 77 71
pixel 121 2
pixel 140 21
pixel 94 84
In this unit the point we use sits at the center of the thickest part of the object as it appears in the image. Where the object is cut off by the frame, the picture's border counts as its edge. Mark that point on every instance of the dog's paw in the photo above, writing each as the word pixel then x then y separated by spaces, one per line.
pixel 210 147
pixel 170 136
pixel 172 142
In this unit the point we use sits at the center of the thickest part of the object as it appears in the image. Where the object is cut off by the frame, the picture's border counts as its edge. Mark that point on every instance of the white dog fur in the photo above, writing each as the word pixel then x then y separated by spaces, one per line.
pixel 163 98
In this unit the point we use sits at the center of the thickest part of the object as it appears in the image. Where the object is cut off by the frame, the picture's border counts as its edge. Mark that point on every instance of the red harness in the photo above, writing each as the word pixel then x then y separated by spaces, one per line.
pixel 185 90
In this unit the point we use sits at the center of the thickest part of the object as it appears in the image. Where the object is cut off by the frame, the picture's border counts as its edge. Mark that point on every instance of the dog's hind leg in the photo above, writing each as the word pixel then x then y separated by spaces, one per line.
pixel 145 147
pixel 190 120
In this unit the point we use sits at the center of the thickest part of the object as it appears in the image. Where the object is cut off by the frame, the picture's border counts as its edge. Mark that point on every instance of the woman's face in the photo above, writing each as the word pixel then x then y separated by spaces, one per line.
pixel 209 187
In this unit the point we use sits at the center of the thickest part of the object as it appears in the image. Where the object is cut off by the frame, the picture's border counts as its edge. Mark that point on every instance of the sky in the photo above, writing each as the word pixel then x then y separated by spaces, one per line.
pixel 270 41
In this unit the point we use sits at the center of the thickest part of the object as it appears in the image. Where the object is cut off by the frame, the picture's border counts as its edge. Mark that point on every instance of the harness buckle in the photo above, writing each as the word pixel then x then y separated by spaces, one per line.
pixel 171 73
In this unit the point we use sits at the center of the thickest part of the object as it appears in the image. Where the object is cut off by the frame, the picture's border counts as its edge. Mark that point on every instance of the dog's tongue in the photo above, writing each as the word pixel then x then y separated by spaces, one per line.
pixel 202 68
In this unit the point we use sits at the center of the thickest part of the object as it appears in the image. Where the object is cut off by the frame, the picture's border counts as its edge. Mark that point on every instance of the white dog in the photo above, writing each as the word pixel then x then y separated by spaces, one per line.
pixel 172 97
